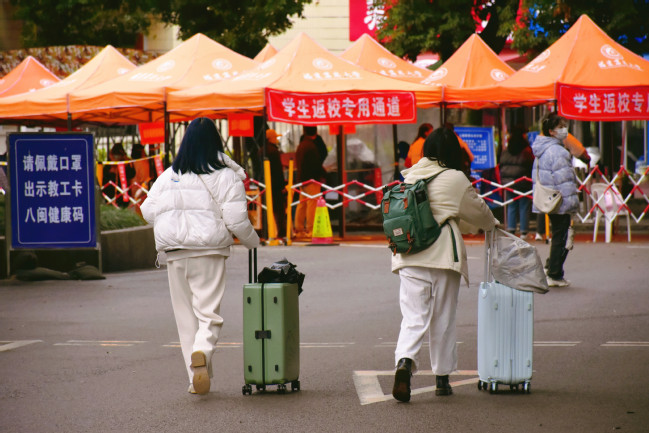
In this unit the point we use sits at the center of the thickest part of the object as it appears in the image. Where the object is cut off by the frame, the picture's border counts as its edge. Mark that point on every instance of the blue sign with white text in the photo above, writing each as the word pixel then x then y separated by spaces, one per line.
pixel 481 142
pixel 52 190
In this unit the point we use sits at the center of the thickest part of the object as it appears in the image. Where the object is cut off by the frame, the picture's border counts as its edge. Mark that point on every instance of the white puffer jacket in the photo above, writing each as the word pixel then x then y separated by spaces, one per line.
pixel 453 199
pixel 184 215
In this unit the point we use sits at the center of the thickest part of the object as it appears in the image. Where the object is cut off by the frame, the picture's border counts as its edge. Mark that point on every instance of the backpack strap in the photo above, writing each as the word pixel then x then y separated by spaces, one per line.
pixel 429 179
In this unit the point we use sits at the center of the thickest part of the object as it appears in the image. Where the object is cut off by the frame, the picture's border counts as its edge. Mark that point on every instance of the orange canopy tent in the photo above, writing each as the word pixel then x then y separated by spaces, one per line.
pixel 51 103
pixel 29 75
pixel 140 95
pixel 473 67
pixel 266 53
pixel 371 55
pixel 306 84
pixel 591 77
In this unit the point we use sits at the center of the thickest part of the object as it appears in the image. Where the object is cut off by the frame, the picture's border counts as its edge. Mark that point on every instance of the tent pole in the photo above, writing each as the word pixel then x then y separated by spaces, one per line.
pixel 340 151
pixel 624 144
pixel 167 138
pixel 646 149
pixel 395 148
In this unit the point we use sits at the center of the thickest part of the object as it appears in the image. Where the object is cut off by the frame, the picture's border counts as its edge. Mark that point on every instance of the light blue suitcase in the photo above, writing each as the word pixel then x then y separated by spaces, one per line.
pixel 505 333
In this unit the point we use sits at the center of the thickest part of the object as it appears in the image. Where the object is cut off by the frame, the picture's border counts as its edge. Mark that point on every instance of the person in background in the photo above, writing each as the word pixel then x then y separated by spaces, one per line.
pixel 278 183
pixel 402 154
pixel 515 162
pixel 111 173
pixel 555 171
pixel 309 167
pixel 430 279
pixel 196 207
pixel 416 151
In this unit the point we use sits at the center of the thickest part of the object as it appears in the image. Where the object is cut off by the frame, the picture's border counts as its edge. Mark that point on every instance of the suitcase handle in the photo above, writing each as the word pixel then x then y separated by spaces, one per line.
pixel 252 265
pixel 489 238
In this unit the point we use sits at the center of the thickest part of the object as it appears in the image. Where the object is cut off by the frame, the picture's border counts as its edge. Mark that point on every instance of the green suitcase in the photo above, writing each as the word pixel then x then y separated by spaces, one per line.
pixel 271 335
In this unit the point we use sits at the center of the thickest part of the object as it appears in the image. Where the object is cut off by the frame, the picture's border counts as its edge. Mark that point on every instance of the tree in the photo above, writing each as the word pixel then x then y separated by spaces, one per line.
pixel 82 22
pixel 241 25
pixel 411 27
pixel 544 21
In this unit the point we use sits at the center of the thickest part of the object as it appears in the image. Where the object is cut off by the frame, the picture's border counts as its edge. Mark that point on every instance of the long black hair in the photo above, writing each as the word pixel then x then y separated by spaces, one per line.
pixel 443 146
pixel 201 149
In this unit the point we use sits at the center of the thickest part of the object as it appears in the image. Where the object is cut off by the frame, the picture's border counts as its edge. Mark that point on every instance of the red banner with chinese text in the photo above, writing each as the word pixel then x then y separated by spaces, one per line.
pixel 341 107
pixel 152 133
pixel 603 103
pixel 121 170
pixel 241 125
pixel 159 168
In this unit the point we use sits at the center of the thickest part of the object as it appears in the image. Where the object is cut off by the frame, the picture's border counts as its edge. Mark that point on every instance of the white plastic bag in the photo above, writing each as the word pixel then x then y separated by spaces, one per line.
pixel 517 264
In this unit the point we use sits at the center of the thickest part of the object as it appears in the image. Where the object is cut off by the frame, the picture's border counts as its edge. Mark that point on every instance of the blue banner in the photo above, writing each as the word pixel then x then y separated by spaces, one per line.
pixel 481 142
pixel 531 136
pixel 52 179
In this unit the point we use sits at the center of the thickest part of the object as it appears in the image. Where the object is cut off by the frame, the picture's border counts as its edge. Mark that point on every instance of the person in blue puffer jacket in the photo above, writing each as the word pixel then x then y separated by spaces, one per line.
pixel 555 171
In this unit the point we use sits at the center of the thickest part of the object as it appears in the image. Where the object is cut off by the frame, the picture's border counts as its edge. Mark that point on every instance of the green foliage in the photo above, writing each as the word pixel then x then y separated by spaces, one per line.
pixel 441 26
pixel 112 218
pixel 241 25
pixel 626 21
pixel 82 22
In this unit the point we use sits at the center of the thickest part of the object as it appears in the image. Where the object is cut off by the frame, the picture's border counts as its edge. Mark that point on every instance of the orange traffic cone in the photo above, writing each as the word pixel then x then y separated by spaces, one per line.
pixel 321 225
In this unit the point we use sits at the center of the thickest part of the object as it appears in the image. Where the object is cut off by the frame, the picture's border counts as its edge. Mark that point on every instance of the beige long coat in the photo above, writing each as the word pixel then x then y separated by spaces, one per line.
pixel 452 198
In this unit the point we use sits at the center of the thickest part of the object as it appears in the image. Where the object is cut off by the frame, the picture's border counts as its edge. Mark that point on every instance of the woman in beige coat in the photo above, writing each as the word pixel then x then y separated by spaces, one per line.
pixel 430 279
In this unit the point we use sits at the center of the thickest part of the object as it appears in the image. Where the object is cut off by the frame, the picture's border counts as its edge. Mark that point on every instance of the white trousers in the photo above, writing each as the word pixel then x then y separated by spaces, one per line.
pixel 197 285
pixel 428 300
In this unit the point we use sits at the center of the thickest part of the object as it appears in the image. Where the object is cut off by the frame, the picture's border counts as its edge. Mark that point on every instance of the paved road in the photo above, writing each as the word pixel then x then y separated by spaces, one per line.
pixel 103 356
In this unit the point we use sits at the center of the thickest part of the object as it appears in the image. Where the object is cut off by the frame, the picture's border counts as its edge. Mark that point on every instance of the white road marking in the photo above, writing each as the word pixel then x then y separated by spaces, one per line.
pixel 393 344
pixel 369 389
pixel 9 345
pixel 325 345
pixel 556 343
pixel 626 344
pixel 103 343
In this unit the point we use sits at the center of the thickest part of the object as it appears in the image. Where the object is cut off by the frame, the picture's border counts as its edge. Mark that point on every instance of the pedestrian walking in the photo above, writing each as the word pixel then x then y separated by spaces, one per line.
pixel 516 162
pixel 555 171
pixel 430 279
pixel 196 206
pixel 309 168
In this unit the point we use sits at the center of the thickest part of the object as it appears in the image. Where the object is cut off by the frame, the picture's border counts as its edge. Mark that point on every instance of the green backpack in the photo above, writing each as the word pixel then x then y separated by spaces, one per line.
pixel 407 218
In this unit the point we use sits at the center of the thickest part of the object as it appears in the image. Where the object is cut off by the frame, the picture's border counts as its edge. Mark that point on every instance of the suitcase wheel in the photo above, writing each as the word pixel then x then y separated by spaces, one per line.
pixel 494 388
pixel 261 388
pixel 246 389
pixel 526 387
pixel 281 388
pixel 295 385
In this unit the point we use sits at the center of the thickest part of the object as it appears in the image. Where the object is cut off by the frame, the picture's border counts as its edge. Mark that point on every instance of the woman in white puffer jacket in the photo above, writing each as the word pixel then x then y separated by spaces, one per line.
pixel 196 206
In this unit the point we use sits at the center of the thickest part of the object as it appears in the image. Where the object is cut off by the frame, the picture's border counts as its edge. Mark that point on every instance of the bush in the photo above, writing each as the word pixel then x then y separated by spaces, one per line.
pixel 111 218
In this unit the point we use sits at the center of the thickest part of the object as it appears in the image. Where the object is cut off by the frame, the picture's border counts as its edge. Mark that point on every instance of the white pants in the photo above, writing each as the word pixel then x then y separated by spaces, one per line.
pixel 197 285
pixel 428 299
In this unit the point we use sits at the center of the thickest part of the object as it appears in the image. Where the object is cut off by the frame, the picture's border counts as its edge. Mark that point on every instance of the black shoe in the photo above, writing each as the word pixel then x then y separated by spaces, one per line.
pixel 401 388
pixel 443 387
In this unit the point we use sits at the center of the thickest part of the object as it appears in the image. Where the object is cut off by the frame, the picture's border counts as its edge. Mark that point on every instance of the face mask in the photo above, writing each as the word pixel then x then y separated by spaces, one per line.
pixel 560 133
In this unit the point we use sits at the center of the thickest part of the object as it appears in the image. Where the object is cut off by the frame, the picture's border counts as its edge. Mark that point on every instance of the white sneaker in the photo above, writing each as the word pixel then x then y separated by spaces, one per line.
pixel 558 283
pixel 538 237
